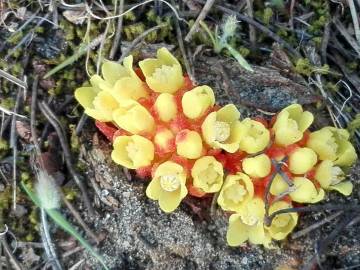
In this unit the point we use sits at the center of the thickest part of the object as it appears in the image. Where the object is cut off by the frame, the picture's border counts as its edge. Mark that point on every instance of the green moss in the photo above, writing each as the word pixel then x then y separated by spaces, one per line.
pixel 354 125
pixel 4 147
pixel 303 66
pixel 130 16
pixel 25 176
pixel 15 38
pixel 7 103
pixel 332 87
pixel 74 139
pixel 244 51
pixel 133 30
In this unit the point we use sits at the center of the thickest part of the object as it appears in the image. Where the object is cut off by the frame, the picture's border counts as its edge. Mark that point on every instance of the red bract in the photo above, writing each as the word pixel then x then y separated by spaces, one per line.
pixel 107 129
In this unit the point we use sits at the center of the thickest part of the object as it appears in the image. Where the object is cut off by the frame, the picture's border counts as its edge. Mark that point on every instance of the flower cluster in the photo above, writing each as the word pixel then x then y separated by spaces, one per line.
pixel 174 134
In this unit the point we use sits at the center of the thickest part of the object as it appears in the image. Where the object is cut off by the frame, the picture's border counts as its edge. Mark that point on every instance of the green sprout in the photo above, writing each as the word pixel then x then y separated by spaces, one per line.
pixel 47 199
pixel 220 42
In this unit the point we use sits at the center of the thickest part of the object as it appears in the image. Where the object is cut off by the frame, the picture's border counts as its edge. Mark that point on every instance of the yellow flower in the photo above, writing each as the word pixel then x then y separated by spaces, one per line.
pixel 97 104
pixel 333 144
pixel 119 83
pixel 221 129
pixel 282 224
pixel 165 107
pixel 236 192
pixel 197 101
pixel 332 177
pixel 254 136
pixel 168 186
pixel 164 74
pixel 133 117
pixel 127 85
pixel 247 225
pixel 302 160
pixel 258 166
pixel 164 140
pixel 305 191
pixel 133 152
pixel 189 144
pixel 290 124
pixel 207 174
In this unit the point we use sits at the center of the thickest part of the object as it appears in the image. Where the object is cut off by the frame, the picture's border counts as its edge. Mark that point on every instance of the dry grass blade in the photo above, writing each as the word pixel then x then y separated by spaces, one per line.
pixel 202 15
pixel 354 16
pixel 13 79
pixel 340 26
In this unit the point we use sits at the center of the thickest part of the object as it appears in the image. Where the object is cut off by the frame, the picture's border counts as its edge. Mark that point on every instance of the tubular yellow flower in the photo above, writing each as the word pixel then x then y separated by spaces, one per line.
pixel 247 225
pixel 165 106
pixel 290 124
pixel 133 152
pixel 282 224
pixel 207 174
pixel 133 117
pixel 97 104
pixel 127 85
pixel 305 191
pixel 254 136
pixel 189 144
pixel 197 101
pixel 221 129
pixel 236 192
pixel 164 140
pixel 164 74
pixel 332 177
pixel 258 166
pixel 168 186
pixel 302 160
pixel 333 144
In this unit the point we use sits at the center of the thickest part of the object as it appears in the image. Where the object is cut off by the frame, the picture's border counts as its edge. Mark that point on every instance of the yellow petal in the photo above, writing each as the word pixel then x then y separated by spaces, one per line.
pixel 133 152
pixel 208 130
pixel 229 113
pixel 346 154
pixel 257 234
pixel 305 191
pixel 85 96
pixel 188 144
pixel 254 137
pixel 345 188
pixel 237 232
pixel 323 143
pixel 207 174
pixel 133 117
pixel 99 84
pixel 278 185
pixel 197 101
pixel 168 168
pixel 103 107
pixel 154 189
pixel 323 173
pixel 166 107
pixel 302 160
pixel 113 71
pixel 128 88
pixel 169 201
pixel 258 166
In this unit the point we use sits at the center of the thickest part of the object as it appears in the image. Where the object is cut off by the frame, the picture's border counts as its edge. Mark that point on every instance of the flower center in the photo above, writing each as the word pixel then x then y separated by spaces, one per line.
pixel 163 73
pixel 169 182
pixel 132 150
pixel 210 175
pixel 337 175
pixel 249 219
pixel 236 193
pixel 222 131
pixel 281 220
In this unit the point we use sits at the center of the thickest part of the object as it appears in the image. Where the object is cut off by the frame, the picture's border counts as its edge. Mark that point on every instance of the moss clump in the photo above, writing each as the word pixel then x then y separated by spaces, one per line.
pixel 15 38
pixel 354 125
pixel 74 139
pixel 303 67
pixel 4 148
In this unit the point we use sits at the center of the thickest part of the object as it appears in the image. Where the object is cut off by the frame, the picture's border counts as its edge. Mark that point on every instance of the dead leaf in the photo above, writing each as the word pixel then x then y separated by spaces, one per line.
pixel 23 130
pixel 75 16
